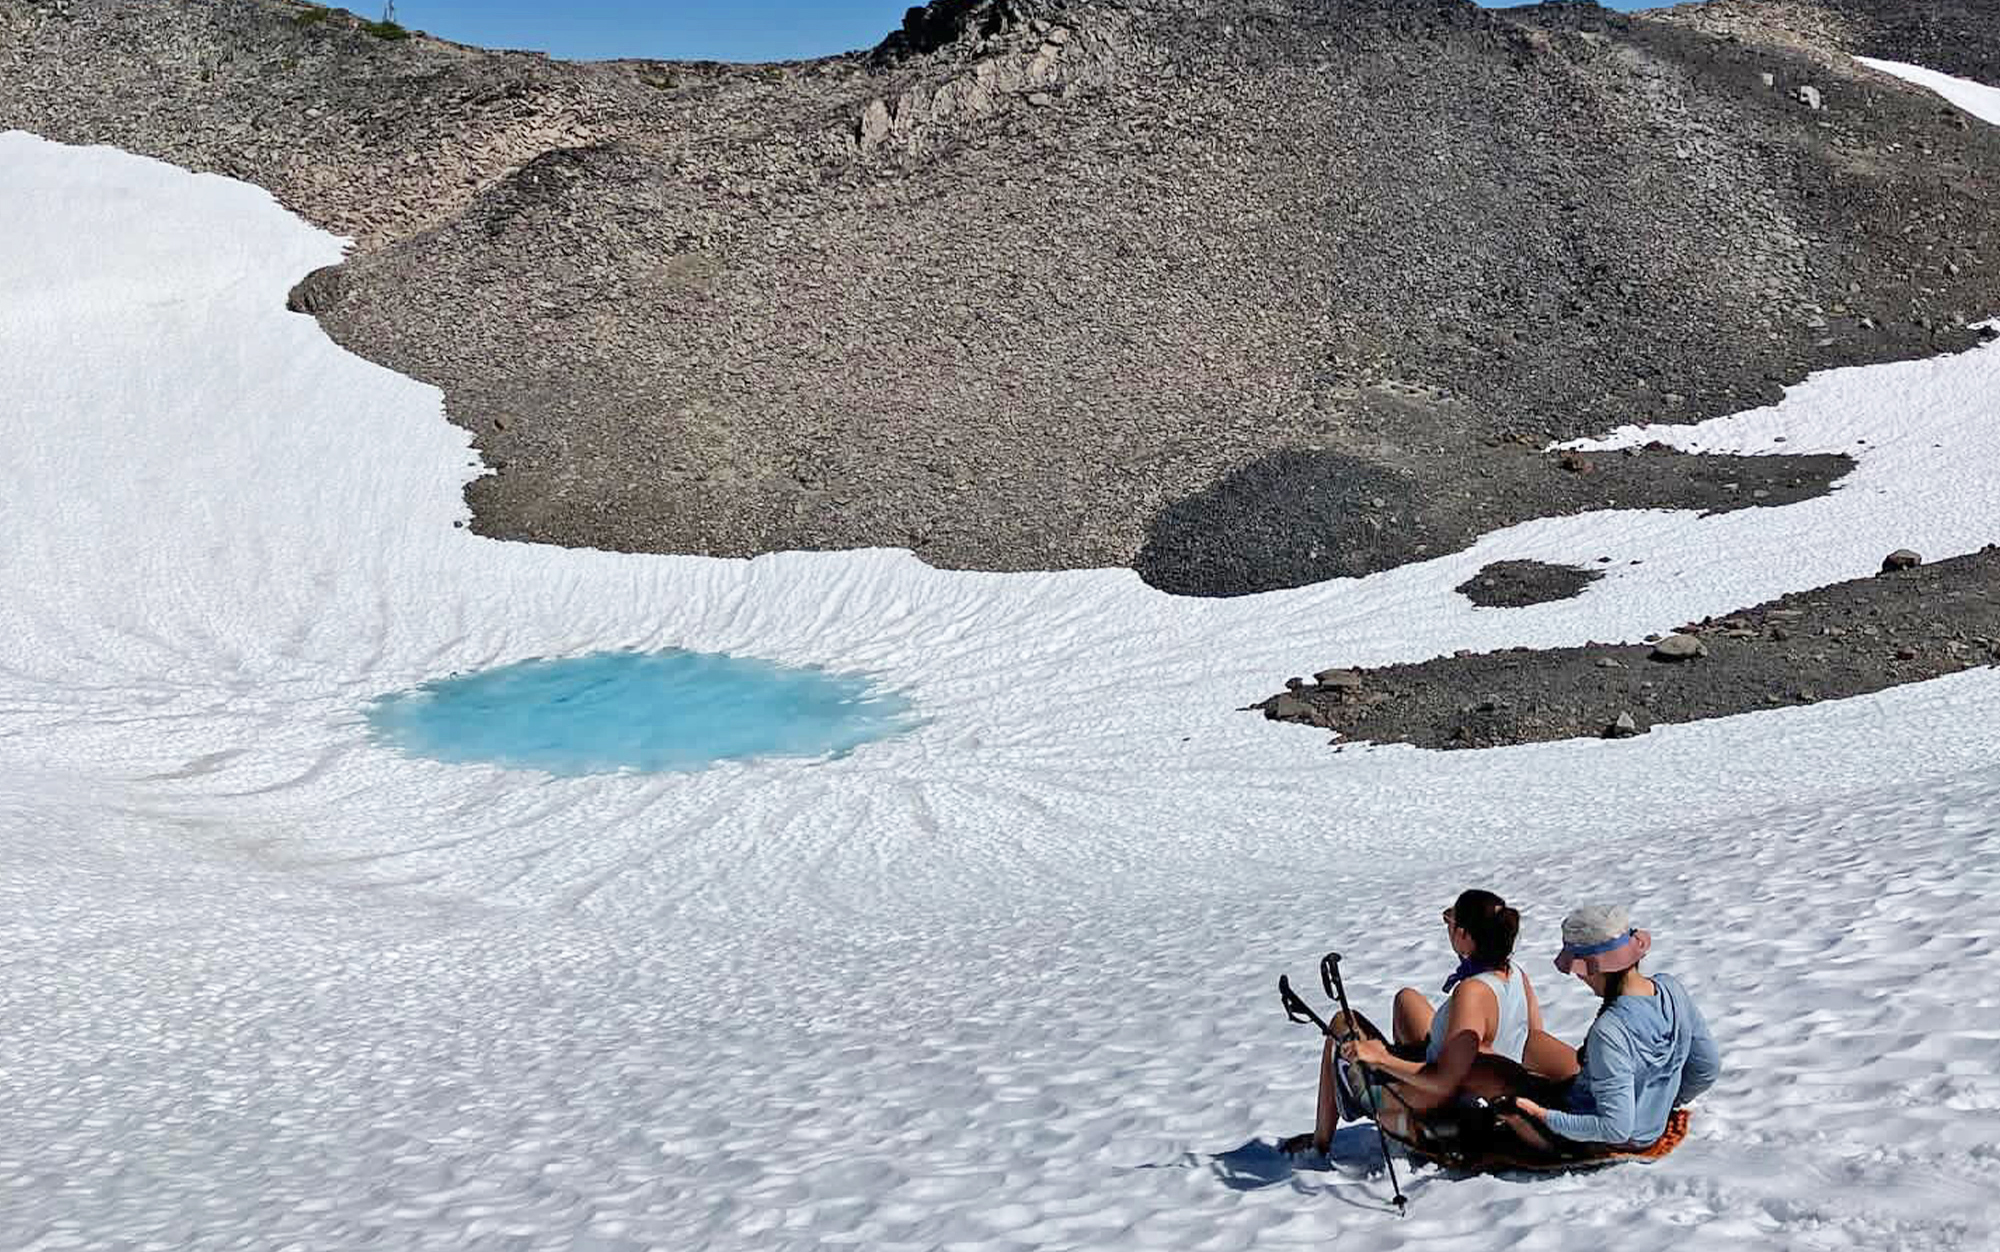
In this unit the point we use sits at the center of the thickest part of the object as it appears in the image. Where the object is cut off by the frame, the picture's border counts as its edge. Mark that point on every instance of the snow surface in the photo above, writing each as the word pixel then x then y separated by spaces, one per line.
pixel 1978 99
pixel 1003 983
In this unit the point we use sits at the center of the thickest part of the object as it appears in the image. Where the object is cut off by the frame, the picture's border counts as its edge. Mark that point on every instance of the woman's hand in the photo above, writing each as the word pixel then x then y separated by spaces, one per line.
pixel 1365 1051
pixel 1524 1105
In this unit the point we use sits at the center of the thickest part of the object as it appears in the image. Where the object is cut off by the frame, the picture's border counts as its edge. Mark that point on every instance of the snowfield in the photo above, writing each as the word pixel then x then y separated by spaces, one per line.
pixel 1004 983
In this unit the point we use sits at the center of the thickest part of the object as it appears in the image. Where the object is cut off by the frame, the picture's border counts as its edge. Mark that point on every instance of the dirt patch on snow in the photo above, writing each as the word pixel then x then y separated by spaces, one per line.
pixel 1519 584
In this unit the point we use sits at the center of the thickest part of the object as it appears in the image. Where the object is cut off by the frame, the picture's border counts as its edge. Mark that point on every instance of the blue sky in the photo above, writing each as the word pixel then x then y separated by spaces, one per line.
pixel 722 30
pixel 680 30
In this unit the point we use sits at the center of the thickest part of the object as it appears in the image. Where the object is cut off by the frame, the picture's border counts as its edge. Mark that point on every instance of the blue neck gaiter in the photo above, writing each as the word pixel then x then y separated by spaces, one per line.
pixel 1470 967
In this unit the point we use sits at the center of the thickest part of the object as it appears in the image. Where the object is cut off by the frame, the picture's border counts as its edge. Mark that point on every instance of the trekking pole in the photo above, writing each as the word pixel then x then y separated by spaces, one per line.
pixel 1329 973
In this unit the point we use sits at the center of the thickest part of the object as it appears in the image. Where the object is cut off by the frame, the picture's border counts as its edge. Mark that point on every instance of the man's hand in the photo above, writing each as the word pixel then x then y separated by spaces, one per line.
pixel 1523 1116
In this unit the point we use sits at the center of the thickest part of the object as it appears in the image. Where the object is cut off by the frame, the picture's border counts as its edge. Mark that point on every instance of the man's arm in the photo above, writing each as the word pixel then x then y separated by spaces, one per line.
pixel 1608 1068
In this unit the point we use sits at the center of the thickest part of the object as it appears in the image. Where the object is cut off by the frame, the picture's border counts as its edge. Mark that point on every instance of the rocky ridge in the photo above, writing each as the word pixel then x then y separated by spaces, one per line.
pixel 1038 284
pixel 1954 37
pixel 370 137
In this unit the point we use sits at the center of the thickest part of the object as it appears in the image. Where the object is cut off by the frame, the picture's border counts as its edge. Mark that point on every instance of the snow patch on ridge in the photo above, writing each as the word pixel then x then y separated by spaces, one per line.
pixel 1978 99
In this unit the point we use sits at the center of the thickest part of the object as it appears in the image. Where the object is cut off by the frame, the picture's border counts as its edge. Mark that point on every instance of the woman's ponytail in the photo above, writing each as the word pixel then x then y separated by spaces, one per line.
pixel 1614 986
pixel 1506 928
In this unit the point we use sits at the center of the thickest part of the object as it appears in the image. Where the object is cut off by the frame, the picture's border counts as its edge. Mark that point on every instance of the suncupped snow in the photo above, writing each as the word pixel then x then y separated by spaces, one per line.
pixel 1002 982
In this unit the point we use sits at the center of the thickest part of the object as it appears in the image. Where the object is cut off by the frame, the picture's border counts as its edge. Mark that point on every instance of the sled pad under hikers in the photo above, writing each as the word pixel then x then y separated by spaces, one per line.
pixel 1452 1141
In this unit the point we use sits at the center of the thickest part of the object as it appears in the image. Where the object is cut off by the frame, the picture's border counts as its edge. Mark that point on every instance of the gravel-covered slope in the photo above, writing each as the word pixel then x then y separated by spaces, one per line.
pixel 1956 37
pixel 1042 284
pixel 369 136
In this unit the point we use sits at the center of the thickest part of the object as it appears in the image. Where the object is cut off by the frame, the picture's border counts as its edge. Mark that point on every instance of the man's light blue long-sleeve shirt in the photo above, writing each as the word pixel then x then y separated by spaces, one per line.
pixel 1645 1055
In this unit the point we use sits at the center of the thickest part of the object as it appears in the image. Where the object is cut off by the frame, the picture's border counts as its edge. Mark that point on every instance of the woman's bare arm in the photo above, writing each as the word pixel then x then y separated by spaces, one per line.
pixel 1474 1007
pixel 1439 1080
pixel 1474 1018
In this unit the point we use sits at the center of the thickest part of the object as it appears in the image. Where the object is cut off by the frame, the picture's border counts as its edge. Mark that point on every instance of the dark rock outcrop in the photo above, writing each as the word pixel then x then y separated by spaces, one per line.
pixel 941 23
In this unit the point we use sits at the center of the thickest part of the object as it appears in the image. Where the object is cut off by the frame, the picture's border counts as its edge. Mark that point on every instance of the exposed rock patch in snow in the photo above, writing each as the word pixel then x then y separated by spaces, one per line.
pixel 1851 638
pixel 1517 584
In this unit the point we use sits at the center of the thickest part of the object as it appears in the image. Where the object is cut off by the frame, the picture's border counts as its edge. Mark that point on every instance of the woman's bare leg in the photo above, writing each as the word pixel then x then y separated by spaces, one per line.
pixel 1457 1069
pixel 1490 1077
pixel 1327 1115
pixel 1549 1056
pixel 1460 1070
pixel 1412 1019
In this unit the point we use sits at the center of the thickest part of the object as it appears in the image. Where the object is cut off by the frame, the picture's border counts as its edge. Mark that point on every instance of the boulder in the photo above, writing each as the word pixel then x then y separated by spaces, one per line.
pixel 317 292
pixel 875 124
pixel 1901 558
pixel 1679 648
pixel 1624 726
pixel 1339 679
pixel 1288 709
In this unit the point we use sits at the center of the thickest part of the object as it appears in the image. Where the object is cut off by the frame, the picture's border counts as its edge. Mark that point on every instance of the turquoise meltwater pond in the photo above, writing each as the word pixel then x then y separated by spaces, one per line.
pixel 651 712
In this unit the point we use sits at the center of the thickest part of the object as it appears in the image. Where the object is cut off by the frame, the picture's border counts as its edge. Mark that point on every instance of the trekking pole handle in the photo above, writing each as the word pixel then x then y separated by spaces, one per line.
pixel 1297 1009
pixel 1329 978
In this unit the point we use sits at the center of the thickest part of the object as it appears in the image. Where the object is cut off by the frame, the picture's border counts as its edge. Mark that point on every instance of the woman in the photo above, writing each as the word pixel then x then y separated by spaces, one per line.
pixel 1649 1051
pixel 1477 1045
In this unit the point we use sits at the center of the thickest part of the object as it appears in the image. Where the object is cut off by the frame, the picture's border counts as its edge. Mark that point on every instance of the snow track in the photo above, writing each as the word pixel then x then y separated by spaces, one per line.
pixel 1002 983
